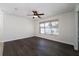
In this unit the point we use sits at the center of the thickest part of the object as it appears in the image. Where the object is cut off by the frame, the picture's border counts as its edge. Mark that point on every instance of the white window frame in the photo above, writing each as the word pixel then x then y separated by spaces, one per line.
pixel 51 27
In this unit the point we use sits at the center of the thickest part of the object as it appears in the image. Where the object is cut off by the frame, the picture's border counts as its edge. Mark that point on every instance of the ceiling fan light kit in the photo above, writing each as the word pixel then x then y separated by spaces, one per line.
pixel 35 16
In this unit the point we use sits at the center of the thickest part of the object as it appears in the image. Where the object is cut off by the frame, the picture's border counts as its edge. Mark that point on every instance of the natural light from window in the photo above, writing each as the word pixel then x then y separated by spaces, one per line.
pixel 49 27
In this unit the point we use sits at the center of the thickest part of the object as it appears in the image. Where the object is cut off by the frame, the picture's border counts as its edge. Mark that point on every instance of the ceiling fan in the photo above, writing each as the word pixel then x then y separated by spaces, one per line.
pixel 36 14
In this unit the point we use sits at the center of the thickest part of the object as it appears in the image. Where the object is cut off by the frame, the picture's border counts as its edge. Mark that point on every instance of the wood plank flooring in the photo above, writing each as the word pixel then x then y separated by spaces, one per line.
pixel 36 46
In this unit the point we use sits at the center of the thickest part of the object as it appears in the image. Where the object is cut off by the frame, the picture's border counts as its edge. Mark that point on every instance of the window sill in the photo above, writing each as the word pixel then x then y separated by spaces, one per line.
pixel 49 34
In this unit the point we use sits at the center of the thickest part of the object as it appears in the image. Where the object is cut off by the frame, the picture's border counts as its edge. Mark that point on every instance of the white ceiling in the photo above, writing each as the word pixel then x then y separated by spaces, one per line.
pixel 49 9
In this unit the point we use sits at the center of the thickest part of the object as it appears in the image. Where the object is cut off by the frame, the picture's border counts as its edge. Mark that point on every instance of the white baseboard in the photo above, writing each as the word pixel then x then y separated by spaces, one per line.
pixel 15 39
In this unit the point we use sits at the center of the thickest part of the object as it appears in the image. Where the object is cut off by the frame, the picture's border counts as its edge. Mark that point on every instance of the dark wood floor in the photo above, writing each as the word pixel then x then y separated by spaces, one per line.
pixel 36 46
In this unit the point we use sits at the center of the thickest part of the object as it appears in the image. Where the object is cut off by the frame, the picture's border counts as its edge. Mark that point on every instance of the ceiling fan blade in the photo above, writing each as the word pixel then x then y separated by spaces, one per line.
pixel 38 16
pixel 41 14
pixel 34 11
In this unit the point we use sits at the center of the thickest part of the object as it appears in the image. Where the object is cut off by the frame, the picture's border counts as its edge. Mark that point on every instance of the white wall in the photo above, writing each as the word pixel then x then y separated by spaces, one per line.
pixel 77 7
pixel 67 31
pixel 1 25
pixel 76 25
pixel 16 27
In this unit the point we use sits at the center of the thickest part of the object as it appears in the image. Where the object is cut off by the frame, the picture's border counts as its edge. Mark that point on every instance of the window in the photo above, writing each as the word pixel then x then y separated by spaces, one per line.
pixel 49 27
pixel 42 28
